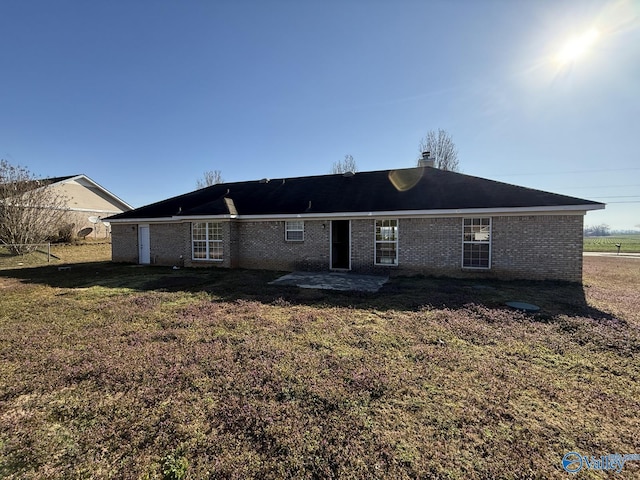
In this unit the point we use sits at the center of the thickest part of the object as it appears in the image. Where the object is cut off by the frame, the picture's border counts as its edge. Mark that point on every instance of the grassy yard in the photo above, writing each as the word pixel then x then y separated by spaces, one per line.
pixel 628 244
pixel 58 254
pixel 111 371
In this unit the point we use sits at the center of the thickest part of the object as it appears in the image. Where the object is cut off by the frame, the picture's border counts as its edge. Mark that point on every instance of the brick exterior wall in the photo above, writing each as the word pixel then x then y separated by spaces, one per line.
pixel 363 246
pixel 263 245
pixel 538 247
pixel 528 246
pixel 430 245
pixel 124 242
pixel 170 243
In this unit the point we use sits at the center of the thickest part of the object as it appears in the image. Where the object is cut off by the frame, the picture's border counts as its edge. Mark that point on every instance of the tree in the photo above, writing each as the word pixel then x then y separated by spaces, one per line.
pixel 601 230
pixel 30 211
pixel 210 177
pixel 344 166
pixel 442 149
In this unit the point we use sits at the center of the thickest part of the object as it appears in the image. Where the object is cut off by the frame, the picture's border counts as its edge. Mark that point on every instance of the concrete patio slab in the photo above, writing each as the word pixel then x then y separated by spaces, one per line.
pixel 333 281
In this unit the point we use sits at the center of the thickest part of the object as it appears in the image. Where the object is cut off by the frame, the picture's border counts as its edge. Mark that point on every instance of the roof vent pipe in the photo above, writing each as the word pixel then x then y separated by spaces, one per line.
pixel 426 160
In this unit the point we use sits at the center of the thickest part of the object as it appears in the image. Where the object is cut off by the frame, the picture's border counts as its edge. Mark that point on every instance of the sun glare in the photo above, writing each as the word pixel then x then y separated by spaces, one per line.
pixel 577 47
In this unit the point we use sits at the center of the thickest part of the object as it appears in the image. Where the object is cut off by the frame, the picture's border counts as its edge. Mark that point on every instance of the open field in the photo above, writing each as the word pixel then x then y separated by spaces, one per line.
pixel 629 244
pixel 111 371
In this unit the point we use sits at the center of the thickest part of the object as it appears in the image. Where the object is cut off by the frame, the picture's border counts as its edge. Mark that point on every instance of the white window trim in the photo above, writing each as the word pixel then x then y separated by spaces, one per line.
pixel 475 242
pixel 287 230
pixel 396 241
pixel 207 259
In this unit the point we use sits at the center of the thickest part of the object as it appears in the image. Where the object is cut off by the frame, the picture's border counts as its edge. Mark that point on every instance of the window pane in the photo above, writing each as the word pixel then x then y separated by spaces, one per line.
pixel 215 231
pixel 476 255
pixel 479 231
pixel 386 230
pixel 215 250
pixel 476 237
pixel 199 249
pixel 386 250
pixel 199 231
pixel 294 230
pixel 295 225
pixel 206 238
pixel 386 253
pixel 295 235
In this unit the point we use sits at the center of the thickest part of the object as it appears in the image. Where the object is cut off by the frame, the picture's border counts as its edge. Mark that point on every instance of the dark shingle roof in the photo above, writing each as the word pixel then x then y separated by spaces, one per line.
pixel 411 189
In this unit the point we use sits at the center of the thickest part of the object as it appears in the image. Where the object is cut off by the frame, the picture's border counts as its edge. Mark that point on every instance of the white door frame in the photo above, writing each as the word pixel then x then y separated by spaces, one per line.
pixel 144 244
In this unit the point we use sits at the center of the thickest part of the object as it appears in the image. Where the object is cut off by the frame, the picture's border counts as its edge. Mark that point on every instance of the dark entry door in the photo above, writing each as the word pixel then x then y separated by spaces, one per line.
pixel 340 244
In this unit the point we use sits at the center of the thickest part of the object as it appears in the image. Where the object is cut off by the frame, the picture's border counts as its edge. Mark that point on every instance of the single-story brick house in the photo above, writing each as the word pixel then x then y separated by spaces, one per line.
pixel 394 221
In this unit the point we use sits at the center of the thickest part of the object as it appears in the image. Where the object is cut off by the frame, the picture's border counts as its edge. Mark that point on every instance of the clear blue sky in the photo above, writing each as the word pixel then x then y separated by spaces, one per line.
pixel 144 96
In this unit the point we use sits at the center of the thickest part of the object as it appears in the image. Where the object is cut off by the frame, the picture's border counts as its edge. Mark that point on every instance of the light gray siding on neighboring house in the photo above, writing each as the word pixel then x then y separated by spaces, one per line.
pixel 526 247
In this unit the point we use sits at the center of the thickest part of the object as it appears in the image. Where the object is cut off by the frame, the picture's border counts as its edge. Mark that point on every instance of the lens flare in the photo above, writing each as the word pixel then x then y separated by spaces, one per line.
pixel 577 47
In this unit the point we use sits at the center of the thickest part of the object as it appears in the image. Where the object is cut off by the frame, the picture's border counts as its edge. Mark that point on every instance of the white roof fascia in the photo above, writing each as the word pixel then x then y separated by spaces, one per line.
pixel 99 187
pixel 172 219
pixel 552 210
pixel 577 209
pixel 226 216
pixel 109 212
pixel 144 220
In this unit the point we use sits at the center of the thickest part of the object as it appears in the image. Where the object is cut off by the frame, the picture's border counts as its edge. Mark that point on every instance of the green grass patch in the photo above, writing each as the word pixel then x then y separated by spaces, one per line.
pixel 114 371
pixel 628 244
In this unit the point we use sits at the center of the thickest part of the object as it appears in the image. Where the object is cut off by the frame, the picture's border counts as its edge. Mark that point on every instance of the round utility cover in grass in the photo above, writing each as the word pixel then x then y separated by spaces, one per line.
pixel 525 307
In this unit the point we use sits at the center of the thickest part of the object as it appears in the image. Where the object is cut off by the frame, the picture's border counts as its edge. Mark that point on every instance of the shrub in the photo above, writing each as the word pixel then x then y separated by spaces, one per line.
pixel 174 467
pixel 65 233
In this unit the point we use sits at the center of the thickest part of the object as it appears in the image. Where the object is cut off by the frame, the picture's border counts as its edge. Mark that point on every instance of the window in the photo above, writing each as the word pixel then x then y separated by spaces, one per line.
pixel 386 242
pixel 206 238
pixel 294 231
pixel 476 243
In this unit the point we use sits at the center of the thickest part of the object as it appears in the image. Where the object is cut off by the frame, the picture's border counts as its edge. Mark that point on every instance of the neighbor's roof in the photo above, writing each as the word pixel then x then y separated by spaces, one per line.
pixel 80 179
pixel 88 183
pixel 412 190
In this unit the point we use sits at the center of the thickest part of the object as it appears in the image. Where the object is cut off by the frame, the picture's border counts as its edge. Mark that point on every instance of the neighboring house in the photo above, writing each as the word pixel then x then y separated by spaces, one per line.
pixel 405 221
pixel 86 200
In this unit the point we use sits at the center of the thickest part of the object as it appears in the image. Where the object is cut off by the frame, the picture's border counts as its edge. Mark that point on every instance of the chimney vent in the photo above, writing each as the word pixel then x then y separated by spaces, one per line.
pixel 426 160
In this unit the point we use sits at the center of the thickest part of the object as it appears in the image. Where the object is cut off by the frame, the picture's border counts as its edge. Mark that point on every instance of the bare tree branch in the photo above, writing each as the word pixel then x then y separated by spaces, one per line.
pixel 442 148
pixel 344 166
pixel 30 210
pixel 210 177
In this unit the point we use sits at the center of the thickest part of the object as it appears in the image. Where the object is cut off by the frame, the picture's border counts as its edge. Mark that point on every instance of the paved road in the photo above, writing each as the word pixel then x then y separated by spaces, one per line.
pixel 606 254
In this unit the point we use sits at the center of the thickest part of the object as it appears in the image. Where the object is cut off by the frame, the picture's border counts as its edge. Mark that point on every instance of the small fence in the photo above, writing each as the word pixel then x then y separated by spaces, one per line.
pixel 17 255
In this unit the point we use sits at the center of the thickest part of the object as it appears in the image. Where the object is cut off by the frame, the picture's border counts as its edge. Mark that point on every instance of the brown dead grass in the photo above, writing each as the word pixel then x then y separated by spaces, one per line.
pixel 113 371
pixel 612 284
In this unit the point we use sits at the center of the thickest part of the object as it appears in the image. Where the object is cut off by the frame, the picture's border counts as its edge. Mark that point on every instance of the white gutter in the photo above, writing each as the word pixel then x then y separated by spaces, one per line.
pixel 99 187
pixel 510 211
